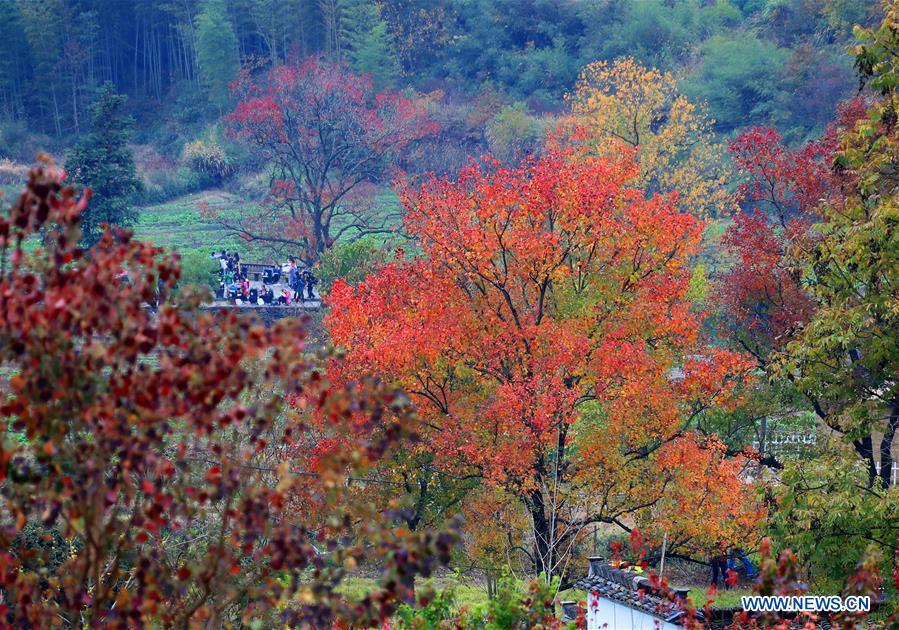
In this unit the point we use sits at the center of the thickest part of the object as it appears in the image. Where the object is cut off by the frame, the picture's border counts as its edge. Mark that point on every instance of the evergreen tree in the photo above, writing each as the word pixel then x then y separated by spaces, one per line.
pixel 217 51
pixel 370 46
pixel 102 161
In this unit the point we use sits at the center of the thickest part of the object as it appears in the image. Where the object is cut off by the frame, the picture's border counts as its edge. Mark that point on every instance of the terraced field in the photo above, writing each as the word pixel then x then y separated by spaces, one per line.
pixel 178 224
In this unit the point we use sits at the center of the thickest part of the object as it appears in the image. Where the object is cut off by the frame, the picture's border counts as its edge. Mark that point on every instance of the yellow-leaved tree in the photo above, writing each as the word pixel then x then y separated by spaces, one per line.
pixel 626 105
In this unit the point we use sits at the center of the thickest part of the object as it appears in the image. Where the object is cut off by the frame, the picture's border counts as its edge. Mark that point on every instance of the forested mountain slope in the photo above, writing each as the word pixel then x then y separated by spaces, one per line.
pixel 775 62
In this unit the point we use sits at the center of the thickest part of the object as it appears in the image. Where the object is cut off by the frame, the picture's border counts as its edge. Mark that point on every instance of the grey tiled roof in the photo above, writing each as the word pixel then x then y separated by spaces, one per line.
pixel 630 590
pixel 638 593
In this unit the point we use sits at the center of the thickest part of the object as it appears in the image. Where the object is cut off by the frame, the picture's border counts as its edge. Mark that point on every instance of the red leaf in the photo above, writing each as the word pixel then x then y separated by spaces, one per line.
pixel 214 475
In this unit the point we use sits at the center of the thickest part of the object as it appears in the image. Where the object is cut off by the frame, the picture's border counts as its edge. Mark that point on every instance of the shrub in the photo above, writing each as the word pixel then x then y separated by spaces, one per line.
pixel 209 158
pixel 12 172
pixel 351 262
pixel 162 178
pixel 149 160
pixel 21 144
pixel 167 184
pixel 433 609
pixel 514 133
pixel 168 476
pixel 251 185
pixel 516 607
pixel 198 270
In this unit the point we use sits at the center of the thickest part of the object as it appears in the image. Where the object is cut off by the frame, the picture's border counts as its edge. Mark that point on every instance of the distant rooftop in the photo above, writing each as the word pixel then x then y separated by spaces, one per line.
pixel 667 606
pixel 633 591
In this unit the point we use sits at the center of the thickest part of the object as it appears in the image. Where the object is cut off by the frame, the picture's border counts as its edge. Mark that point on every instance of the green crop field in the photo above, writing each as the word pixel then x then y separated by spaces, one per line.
pixel 179 224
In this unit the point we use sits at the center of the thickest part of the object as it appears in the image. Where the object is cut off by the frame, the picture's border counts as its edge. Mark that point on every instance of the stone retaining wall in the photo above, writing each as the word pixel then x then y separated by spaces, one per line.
pixel 270 314
pixel 267 314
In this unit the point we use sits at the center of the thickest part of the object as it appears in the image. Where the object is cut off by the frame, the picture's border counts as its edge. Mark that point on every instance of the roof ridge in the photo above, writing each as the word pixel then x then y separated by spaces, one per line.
pixel 630 589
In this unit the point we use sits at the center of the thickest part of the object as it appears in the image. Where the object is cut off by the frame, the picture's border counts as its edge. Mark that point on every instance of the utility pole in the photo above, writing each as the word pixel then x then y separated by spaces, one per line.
pixel 662 561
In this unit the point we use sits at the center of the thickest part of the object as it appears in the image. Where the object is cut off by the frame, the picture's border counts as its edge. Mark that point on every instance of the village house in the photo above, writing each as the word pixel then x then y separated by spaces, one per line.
pixel 624 600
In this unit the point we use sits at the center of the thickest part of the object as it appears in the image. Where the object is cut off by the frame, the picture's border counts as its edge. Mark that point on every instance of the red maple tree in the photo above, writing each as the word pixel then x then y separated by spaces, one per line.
pixel 327 134
pixel 547 335
pixel 781 190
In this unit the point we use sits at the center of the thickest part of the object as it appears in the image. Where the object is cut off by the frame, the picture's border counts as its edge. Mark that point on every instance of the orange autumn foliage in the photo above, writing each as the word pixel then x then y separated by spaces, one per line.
pixel 549 340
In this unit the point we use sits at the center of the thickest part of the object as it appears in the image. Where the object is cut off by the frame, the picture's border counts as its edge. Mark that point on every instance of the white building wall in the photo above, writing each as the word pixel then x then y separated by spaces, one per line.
pixel 607 614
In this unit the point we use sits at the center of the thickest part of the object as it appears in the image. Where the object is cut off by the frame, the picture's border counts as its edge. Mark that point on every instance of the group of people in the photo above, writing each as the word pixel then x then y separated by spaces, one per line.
pixel 229 263
pixel 234 283
pixel 300 280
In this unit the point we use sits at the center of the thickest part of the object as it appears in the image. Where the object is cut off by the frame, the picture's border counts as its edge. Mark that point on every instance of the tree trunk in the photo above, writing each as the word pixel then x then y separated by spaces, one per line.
pixel 413 519
pixel 75 102
pixel 536 503
pixel 543 504
pixel 865 448
pixel 886 446
pixel 56 118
